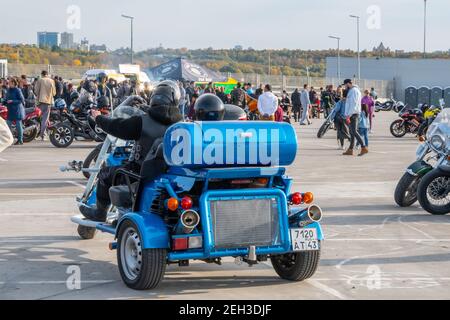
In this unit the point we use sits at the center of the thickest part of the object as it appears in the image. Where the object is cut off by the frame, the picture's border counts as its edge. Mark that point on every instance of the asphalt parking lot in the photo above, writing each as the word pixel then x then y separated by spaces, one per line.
pixel 374 250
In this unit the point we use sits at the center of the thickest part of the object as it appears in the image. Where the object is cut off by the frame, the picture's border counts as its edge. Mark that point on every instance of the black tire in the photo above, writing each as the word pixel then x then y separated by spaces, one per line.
pixel 423 192
pixel 62 136
pixel 86 233
pixel 297 266
pixel 324 129
pixel 91 159
pixel 150 263
pixel 30 134
pixel 406 191
pixel 398 129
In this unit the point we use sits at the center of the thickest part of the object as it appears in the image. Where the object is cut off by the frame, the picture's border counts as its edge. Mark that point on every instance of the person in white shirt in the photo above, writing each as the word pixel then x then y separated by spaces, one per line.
pixel 306 105
pixel 267 104
pixel 352 113
pixel 6 138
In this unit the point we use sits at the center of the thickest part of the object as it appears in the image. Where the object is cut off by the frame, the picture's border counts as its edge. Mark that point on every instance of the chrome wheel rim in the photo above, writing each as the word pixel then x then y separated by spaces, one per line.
pixel 131 254
pixel 438 191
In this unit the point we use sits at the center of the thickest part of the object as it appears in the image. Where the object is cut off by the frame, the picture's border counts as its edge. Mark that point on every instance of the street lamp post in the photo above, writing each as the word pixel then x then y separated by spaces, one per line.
pixel 338 56
pixel 132 35
pixel 359 53
pixel 425 29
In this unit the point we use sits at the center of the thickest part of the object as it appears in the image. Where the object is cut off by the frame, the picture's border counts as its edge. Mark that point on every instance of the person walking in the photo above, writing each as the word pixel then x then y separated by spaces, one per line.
pixel 370 103
pixel 352 114
pixel 340 123
pixel 45 91
pixel 306 105
pixel 267 104
pixel 15 102
pixel 364 124
pixel 296 104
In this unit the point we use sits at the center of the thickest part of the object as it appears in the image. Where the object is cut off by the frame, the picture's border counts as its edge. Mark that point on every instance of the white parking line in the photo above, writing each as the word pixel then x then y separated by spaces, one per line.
pixel 327 289
pixel 76 184
pixel 39 194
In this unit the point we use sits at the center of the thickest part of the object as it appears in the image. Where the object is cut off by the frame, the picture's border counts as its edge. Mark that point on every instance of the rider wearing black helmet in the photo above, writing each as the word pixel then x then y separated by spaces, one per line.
pixel 145 131
pixel 209 108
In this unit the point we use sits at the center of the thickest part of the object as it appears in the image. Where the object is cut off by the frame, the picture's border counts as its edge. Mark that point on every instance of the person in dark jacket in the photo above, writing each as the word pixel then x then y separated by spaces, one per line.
pixel 15 103
pixel 145 131
pixel 238 96
pixel 296 104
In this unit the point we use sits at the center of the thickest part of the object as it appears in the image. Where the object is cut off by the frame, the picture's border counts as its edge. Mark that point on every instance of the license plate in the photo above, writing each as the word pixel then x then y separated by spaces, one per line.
pixel 305 240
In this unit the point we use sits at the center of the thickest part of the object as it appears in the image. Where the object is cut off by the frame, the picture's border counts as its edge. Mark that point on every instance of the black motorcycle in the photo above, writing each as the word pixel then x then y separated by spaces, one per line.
pixel 78 125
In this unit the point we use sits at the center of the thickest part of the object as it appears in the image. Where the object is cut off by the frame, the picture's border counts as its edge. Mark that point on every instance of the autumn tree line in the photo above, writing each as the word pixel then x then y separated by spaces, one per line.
pixel 276 62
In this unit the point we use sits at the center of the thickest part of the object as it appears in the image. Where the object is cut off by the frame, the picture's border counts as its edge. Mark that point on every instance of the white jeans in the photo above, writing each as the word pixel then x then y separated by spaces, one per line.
pixel 305 114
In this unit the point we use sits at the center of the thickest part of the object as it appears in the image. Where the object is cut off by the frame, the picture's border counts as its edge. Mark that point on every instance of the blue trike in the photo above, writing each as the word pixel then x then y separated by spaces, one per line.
pixel 221 191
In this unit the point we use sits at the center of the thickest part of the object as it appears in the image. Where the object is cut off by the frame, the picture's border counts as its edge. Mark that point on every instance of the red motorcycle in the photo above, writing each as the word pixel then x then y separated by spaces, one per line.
pixel 31 123
pixel 410 122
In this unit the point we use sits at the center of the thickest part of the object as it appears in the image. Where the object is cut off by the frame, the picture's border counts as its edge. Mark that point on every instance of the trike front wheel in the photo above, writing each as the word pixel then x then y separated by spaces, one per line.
pixel 140 269
pixel 297 266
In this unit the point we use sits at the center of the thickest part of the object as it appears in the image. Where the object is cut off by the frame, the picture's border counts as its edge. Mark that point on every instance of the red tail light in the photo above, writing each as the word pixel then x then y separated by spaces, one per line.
pixel 297 198
pixel 180 244
pixel 186 203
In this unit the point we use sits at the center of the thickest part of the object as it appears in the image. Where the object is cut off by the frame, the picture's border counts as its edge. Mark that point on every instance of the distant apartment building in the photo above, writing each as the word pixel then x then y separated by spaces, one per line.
pixel 98 48
pixel 48 39
pixel 67 42
pixel 84 45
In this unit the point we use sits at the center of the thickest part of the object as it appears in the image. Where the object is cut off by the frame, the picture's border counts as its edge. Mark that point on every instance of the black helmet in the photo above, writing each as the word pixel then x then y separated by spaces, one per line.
pixel 102 77
pixel 167 93
pixel 209 108
pixel 103 102
pixel 90 86
pixel 74 95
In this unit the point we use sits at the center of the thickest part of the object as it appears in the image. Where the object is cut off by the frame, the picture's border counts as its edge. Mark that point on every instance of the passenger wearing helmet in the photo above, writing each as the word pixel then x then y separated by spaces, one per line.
pixel 209 107
pixel 146 131
pixel 103 91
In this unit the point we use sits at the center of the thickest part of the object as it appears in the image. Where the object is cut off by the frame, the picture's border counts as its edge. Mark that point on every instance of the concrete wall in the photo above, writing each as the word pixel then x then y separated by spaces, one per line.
pixel 404 72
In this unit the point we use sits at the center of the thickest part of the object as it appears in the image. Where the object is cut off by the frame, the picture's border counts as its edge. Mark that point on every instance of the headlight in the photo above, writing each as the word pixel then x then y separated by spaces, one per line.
pixel 437 142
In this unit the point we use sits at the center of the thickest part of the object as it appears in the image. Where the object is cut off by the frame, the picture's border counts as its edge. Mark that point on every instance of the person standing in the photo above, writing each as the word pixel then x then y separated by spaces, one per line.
pixel 15 102
pixel 340 123
pixel 268 104
pixel 328 100
pixel 45 91
pixel 352 114
pixel 238 96
pixel 364 124
pixel 296 104
pixel 368 100
pixel 306 105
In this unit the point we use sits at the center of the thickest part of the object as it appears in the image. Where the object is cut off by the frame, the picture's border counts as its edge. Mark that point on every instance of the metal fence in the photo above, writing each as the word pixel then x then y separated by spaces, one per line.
pixel 384 88
pixel 279 83
pixel 34 70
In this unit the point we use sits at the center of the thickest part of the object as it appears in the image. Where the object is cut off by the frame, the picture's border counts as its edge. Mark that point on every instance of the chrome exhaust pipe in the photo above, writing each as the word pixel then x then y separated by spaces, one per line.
pixel 189 220
pixel 305 217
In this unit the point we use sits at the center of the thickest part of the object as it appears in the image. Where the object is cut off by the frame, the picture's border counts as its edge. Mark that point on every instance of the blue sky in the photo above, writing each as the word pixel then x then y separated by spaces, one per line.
pixel 259 24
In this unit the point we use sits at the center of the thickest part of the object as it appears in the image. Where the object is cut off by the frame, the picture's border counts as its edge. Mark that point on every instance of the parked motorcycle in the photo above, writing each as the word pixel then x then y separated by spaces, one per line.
pixel 427 157
pixel 79 125
pixel 410 122
pixel 31 123
pixel 434 189
pixel 389 105
pixel 430 115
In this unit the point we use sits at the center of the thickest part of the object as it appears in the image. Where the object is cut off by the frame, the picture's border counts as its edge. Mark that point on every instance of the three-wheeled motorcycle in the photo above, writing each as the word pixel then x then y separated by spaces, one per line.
pixel 214 190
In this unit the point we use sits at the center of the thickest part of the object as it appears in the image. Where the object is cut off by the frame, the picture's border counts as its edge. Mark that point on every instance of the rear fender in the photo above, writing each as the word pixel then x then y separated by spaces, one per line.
pixel 153 230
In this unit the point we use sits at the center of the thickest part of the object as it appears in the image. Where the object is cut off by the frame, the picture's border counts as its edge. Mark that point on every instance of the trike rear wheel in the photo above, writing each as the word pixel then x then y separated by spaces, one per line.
pixel 297 266
pixel 140 269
